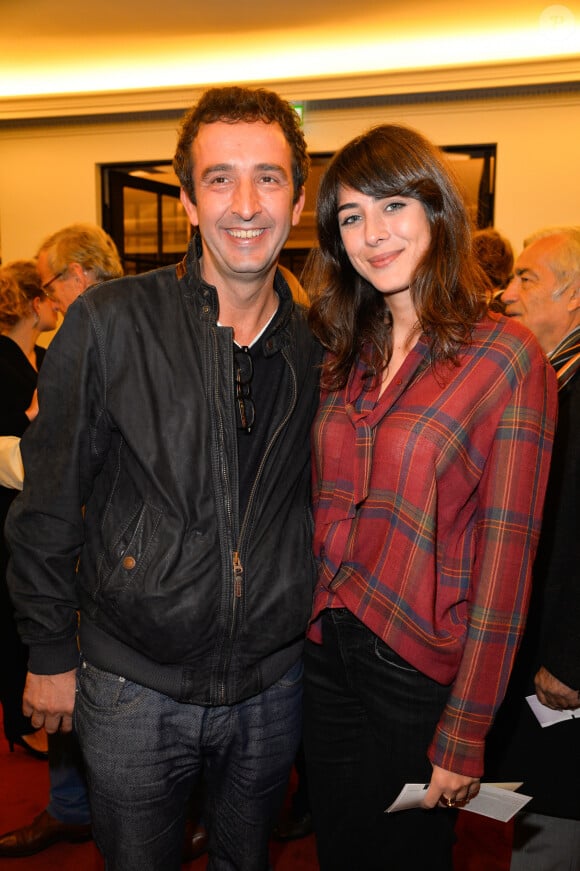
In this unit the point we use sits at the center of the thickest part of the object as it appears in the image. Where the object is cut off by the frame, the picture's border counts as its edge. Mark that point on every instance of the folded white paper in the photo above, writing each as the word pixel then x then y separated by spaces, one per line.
pixel 548 717
pixel 496 801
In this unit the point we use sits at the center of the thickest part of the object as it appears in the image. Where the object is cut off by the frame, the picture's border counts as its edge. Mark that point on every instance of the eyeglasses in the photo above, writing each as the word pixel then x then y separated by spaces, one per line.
pixel 46 286
pixel 244 371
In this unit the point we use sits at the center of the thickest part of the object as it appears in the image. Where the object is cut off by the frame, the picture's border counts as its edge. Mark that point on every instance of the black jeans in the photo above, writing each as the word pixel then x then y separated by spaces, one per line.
pixel 369 719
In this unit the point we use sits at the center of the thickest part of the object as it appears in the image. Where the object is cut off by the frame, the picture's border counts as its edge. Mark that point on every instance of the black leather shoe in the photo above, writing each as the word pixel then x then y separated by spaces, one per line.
pixel 291 828
pixel 195 842
pixel 42 832
pixel 21 741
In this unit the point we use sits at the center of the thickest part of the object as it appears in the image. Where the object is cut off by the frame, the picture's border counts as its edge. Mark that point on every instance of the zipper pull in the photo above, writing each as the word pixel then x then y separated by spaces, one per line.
pixel 238 572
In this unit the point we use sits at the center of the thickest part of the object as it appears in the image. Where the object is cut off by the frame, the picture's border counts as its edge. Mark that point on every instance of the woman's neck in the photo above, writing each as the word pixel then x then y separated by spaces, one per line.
pixel 404 335
pixel 25 336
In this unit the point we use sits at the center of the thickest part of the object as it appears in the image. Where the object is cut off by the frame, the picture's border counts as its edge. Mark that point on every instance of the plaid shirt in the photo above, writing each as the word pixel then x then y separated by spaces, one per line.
pixel 428 503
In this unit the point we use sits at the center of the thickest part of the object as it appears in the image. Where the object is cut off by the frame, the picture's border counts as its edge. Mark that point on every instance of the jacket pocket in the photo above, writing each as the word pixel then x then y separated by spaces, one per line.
pixel 131 552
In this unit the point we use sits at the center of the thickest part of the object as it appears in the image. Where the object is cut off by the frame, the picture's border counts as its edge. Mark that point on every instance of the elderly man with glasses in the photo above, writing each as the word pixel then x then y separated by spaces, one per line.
pixel 74 258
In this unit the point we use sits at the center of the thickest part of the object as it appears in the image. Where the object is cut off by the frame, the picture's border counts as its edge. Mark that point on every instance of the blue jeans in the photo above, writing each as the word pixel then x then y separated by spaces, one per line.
pixel 369 718
pixel 145 751
pixel 69 802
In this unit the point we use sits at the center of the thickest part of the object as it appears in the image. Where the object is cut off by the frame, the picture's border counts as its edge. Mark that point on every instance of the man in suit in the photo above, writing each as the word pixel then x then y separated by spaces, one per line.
pixel 544 295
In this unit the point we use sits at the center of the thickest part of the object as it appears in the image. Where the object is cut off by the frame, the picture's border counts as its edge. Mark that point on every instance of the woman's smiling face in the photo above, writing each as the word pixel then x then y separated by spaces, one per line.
pixel 385 238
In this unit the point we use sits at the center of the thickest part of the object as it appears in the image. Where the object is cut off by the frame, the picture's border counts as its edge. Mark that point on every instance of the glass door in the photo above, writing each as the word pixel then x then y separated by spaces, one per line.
pixel 144 216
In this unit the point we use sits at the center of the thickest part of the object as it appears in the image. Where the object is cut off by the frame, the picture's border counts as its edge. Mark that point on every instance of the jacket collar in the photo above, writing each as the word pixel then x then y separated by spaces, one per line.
pixel 190 269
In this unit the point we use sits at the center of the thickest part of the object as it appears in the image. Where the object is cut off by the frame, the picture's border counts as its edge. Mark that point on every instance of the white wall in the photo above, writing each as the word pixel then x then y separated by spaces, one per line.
pixel 538 142
pixel 49 174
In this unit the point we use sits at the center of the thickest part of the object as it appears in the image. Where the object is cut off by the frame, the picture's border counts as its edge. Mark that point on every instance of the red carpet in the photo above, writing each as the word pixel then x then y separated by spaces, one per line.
pixel 482 844
pixel 24 794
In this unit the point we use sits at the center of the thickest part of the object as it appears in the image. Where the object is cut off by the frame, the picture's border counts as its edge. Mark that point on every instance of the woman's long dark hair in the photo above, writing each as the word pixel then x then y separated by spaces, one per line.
pixel 347 314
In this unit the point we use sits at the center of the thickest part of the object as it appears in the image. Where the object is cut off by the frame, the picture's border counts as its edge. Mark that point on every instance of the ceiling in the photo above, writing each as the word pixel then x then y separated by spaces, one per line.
pixel 61 47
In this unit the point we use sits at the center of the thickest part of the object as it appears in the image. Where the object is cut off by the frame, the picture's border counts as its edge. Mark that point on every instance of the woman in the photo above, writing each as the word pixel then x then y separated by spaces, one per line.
pixel 431 452
pixel 495 255
pixel 25 312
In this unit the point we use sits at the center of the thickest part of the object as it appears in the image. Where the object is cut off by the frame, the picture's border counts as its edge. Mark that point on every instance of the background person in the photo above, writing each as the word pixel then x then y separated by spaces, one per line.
pixel 544 295
pixel 73 259
pixel 495 255
pixel 431 455
pixel 25 312
pixel 187 394
pixel 69 261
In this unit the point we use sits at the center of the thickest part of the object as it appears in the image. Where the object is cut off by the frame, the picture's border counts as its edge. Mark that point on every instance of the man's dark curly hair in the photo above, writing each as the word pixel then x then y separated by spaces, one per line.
pixel 233 104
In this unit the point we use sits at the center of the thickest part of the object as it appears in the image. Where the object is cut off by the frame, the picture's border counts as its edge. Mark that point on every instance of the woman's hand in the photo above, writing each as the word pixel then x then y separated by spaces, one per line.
pixel 449 789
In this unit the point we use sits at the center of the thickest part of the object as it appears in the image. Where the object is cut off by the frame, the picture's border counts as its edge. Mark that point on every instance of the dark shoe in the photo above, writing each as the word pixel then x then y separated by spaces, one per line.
pixel 21 741
pixel 195 843
pixel 42 832
pixel 291 828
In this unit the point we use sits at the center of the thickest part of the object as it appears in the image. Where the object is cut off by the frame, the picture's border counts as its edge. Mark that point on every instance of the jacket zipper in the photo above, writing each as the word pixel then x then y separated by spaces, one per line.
pixel 238 572
pixel 238 569
pixel 237 566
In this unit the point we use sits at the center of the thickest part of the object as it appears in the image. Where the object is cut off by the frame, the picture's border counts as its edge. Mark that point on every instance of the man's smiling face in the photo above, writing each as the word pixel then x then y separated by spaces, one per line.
pixel 244 199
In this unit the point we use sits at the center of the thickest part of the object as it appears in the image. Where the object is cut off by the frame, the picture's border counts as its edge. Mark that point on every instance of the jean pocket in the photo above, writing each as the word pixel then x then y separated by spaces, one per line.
pixel 387 655
pixel 293 676
pixel 105 691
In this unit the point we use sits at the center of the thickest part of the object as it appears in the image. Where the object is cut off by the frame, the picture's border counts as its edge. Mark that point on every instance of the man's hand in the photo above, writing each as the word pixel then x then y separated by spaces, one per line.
pixel 553 693
pixel 449 789
pixel 49 700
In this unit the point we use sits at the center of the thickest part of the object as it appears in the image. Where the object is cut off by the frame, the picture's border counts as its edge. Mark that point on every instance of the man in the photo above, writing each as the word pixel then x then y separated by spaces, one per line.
pixel 74 258
pixel 68 261
pixel 544 294
pixel 187 404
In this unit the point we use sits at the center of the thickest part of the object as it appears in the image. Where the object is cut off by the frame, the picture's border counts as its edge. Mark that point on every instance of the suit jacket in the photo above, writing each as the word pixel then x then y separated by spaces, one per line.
pixel 548 759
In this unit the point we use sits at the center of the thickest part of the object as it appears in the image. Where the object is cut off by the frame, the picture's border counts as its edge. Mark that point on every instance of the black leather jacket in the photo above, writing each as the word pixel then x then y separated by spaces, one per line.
pixel 137 425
